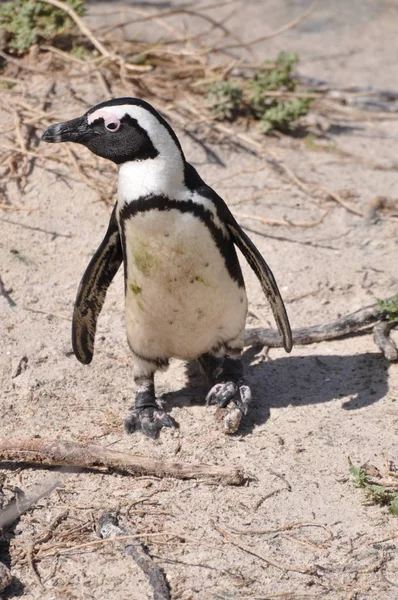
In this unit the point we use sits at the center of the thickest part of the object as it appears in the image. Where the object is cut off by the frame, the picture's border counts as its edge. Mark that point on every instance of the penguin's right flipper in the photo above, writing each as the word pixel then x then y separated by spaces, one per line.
pixel 91 294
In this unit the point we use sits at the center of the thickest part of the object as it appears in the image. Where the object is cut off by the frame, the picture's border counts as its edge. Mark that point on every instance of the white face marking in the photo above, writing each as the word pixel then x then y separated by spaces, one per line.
pixel 162 175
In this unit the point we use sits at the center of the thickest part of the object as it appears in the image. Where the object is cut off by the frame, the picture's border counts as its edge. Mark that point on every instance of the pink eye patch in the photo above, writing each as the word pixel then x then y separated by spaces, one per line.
pixel 111 121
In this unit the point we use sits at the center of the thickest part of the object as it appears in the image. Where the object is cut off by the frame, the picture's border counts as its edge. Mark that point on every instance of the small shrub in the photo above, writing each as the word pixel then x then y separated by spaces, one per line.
pixel 390 307
pixel 29 22
pixel 224 99
pixel 280 115
pixel 229 99
pixel 375 494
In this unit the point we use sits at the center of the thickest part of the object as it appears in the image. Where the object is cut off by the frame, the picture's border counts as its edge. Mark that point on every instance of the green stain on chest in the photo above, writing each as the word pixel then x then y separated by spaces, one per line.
pixel 144 258
pixel 135 288
pixel 200 279
pixel 179 249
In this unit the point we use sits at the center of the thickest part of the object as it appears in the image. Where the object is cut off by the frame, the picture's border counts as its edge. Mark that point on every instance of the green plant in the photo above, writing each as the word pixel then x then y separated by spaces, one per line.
pixel 280 115
pixel 80 52
pixel 224 99
pixel 360 478
pixel 29 22
pixel 374 493
pixel 275 76
pixel 390 307
pixel 263 96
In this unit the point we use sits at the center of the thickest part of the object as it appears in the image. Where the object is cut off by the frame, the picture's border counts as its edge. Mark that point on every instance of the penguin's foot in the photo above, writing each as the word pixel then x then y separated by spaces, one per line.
pixel 230 390
pixel 149 420
pixel 224 392
pixel 233 400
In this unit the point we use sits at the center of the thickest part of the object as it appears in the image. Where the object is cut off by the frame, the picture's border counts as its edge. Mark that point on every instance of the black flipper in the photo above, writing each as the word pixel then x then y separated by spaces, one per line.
pixel 250 252
pixel 101 269
pixel 266 278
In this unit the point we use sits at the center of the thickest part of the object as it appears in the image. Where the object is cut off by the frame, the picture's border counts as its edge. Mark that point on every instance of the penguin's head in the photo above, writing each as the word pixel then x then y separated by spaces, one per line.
pixel 121 130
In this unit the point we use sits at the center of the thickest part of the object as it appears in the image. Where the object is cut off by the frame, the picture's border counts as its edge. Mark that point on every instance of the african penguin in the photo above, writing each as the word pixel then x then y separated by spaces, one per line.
pixel 185 294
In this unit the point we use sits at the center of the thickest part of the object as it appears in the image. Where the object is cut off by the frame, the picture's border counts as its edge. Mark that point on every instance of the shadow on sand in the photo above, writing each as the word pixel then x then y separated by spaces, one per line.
pixel 299 380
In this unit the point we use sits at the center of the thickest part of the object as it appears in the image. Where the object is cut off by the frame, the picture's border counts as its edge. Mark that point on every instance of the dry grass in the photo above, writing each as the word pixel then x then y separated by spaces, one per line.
pixel 174 73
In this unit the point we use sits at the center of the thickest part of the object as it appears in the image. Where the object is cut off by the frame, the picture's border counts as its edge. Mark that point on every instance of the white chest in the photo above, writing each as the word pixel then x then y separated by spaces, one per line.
pixel 180 298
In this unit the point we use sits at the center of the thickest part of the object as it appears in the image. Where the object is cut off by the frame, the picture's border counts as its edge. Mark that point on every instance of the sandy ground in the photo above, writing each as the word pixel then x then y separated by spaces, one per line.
pixel 312 408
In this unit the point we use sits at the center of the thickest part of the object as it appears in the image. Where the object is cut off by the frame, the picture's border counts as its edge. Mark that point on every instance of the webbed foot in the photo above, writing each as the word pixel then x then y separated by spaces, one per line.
pixel 147 413
pixel 230 390
pixel 223 393
pixel 149 419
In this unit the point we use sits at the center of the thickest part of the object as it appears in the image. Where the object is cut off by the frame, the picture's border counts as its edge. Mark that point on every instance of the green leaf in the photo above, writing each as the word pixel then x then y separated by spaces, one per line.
pixel 282 114
pixel 224 99
pixel 28 22
pixel 393 508
pixel 360 477
pixel 390 308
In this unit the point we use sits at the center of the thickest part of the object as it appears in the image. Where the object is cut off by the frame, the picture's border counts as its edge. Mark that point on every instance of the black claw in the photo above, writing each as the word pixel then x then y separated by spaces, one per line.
pixel 223 393
pixel 149 420
pixel 245 399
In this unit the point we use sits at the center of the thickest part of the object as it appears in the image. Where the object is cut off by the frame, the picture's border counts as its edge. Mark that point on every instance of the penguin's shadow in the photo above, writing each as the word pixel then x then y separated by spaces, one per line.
pixel 362 379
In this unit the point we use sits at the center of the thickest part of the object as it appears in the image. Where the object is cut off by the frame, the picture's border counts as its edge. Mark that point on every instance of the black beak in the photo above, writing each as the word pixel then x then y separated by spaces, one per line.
pixel 70 131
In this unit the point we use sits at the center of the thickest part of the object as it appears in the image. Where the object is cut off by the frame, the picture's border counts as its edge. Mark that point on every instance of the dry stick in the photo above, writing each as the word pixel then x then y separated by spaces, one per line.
pixel 173 12
pixel 48 314
pixel 353 323
pixel 266 559
pixel 92 456
pixel 21 64
pixel 13 511
pixel 283 222
pixel 108 527
pixel 383 341
pixel 59 549
pixel 291 175
pixel 305 543
pixel 54 234
pixel 30 552
pixel 79 22
pixel 288 527
pixel 277 32
pixel 6 294
pixel 306 189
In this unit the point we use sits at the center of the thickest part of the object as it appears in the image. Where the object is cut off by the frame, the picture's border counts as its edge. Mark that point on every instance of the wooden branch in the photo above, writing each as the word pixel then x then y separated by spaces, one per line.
pixel 277 32
pixel 92 456
pixel 108 527
pixel 354 323
pixel 80 24
pixel 384 342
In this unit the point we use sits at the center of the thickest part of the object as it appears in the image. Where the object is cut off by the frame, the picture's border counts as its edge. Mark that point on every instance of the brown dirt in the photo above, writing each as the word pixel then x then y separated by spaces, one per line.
pixel 312 408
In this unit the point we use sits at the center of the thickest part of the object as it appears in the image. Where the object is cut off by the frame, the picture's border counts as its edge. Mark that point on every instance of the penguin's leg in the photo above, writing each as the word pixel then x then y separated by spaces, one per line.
pixel 147 413
pixel 225 374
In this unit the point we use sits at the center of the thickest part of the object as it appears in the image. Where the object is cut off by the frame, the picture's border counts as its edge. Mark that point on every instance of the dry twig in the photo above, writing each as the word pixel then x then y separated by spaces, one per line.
pixel 283 222
pixel 296 568
pixel 108 527
pixel 91 456
pixel 80 24
pixel 354 323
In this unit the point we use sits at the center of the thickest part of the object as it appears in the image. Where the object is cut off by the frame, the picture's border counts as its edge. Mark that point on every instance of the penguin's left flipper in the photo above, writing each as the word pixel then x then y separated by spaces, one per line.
pixel 92 291
pixel 266 278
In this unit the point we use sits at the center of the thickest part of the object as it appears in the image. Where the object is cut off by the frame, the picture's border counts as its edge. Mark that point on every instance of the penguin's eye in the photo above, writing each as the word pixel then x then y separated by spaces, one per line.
pixel 112 125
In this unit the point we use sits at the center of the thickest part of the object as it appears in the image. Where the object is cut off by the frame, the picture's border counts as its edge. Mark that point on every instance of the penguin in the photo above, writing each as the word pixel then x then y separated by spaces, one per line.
pixel 185 295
